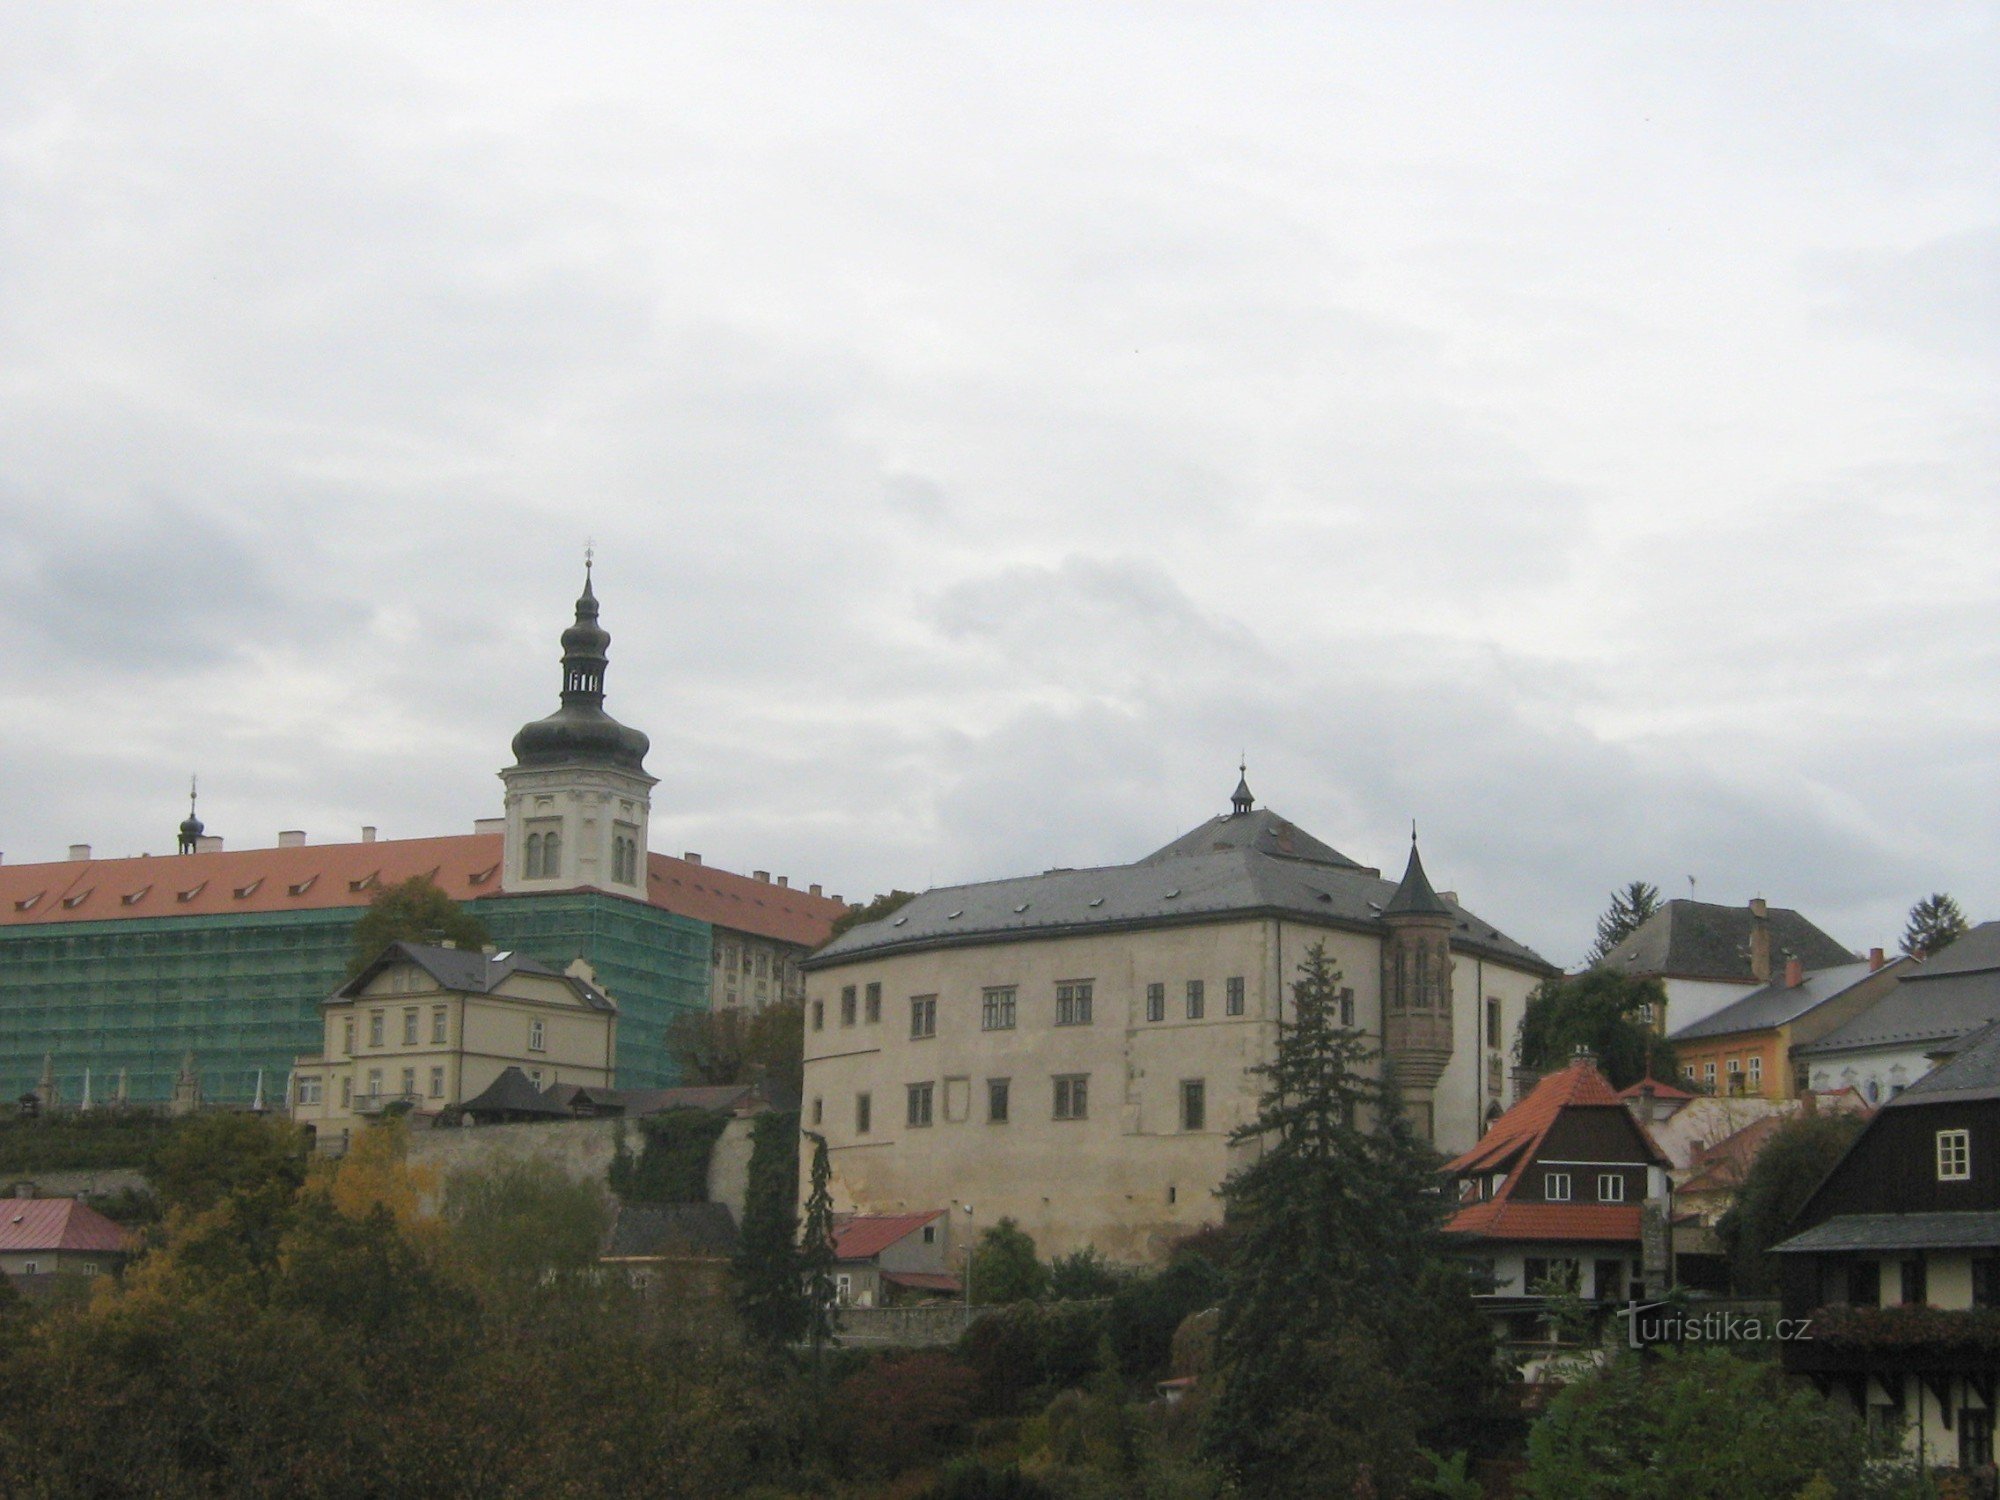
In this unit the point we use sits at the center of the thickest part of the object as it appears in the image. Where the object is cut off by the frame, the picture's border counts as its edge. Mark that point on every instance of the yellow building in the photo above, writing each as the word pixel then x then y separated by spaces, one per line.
pixel 1745 1049
pixel 425 1028
pixel 1073 1049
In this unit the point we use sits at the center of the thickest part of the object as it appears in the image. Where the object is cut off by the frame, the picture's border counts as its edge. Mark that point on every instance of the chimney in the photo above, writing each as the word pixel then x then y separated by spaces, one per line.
pixel 208 843
pixel 813 889
pixel 691 857
pixel 292 838
pixel 1874 959
pixel 489 825
pixel 1760 939
pixel 785 880
pixel 763 875
pixel 1795 973
pixel 367 833
pixel 1583 1053
pixel 79 851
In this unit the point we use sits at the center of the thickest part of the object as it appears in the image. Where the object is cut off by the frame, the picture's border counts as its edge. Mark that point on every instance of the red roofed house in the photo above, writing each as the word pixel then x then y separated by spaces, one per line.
pixel 1554 1192
pixel 122 967
pixel 884 1259
pixel 48 1237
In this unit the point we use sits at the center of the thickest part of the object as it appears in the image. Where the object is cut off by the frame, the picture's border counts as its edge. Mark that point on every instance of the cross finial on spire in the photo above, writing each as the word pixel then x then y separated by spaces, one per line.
pixel 1413 832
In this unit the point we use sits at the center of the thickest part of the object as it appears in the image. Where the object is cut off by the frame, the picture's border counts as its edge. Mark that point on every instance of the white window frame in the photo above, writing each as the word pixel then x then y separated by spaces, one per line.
pixel 1610 1187
pixel 440 1025
pixel 538 1036
pixel 1556 1187
pixel 998 1007
pixel 1954 1156
pixel 309 1091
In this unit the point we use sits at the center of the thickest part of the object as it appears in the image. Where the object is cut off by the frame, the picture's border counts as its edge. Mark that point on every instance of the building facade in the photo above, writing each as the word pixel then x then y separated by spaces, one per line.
pixel 1747 1047
pixel 426 1028
pixel 1072 1050
pixel 124 966
pixel 1708 956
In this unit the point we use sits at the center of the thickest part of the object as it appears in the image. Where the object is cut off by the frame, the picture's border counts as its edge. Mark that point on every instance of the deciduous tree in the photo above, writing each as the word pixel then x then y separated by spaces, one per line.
pixel 1004 1268
pixel 1795 1160
pixel 417 911
pixel 1604 1012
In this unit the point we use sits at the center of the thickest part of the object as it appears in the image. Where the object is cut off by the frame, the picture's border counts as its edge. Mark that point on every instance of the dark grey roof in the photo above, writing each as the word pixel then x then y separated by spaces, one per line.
pixel 1235 875
pixel 1977 951
pixel 469 972
pixel 704 1230
pixel 512 1094
pixel 1414 896
pixel 1700 940
pixel 1927 1231
pixel 1973 1073
pixel 581 732
pixel 1924 1007
pixel 656 1101
pixel 1774 1004
pixel 1261 830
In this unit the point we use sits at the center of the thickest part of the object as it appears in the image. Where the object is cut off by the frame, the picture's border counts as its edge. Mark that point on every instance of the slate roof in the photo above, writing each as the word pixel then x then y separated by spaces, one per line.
pixel 1252 864
pixel 512 1094
pixel 315 877
pixel 1956 992
pixel 1511 1145
pixel 1775 1004
pixel 1943 1230
pixel 703 1231
pixel 1700 940
pixel 470 972
pixel 58 1224
pixel 1973 1073
pixel 1414 896
pixel 863 1236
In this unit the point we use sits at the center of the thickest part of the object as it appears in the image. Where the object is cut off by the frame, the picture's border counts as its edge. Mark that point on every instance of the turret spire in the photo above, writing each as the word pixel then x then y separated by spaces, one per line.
pixel 1241 801
pixel 191 827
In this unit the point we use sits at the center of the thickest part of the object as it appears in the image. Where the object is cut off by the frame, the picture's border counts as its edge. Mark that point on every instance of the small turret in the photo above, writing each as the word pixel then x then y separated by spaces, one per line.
pixel 1416 988
pixel 1240 800
pixel 191 826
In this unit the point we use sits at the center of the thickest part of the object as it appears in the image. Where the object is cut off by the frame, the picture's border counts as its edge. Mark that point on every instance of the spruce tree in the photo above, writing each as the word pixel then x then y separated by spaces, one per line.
pixel 767 1258
pixel 816 1250
pixel 1340 1217
pixel 1628 911
pixel 1935 924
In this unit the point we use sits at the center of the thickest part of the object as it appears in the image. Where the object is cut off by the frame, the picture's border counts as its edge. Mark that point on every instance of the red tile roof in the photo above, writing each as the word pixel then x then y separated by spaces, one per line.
pixel 866 1235
pixel 1655 1087
pixel 1721 1168
pixel 1512 1144
pixel 50 1224
pixel 317 877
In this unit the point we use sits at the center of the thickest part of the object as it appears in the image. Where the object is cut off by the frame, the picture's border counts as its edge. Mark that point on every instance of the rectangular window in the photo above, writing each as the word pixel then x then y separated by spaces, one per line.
pixel 819 1109
pixel 819 1015
pixel 346 1093
pixel 410 1027
pixel 1233 997
pixel 1347 1008
pixel 923 1015
pixel 1073 1003
pixel 1756 1075
pixel 1708 1076
pixel 437 1083
pixel 535 1077
pixel 439 1023
pixel 1196 1000
pixel 996 1101
pixel 1492 1021
pixel 920 1104
pixel 872 1003
pixel 847 993
pixel 1555 1187
pixel 996 1009
pixel 409 1083
pixel 537 1037
pixel 375 1083
pixel 375 1024
pixel 1954 1155
pixel 347 1039
pixel 1194 1104
pixel 763 964
pixel 863 1111
pixel 1156 1002
pixel 1073 1097
pixel 1864 1283
pixel 1916 1285
pixel 309 1091
pixel 1611 1187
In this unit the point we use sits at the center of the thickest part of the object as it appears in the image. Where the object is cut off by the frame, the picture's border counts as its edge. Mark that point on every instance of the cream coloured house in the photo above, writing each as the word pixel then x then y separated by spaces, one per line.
pixel 1071 1049
pixel 429 1027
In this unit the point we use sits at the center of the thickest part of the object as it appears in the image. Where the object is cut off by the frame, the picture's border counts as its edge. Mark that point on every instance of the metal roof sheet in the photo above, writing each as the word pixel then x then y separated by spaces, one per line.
pixel 1926 1231
pixel 1777 1003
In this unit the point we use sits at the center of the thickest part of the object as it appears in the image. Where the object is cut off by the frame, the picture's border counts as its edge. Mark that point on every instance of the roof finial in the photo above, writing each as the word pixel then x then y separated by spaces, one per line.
pixel 1413 833
pixel 191 826
pixel 1240 802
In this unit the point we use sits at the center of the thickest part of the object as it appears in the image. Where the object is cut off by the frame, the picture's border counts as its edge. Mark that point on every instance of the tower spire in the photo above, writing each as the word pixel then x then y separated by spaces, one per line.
pixel 1240 802
pixel 191 827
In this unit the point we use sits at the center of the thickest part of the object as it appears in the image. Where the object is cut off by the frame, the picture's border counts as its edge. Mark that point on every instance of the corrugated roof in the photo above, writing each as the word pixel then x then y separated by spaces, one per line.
pixel 1925 1231
pixel 864 1235
pixel 1240 879
pixel 53 1224
pixel 318 877
pixel 1701 940
pixel 1777 1003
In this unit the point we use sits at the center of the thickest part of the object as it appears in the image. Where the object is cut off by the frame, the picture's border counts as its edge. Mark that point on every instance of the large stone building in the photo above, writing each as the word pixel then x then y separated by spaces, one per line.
pixel 1707 956
pixel 123 966
pixel 1072 1049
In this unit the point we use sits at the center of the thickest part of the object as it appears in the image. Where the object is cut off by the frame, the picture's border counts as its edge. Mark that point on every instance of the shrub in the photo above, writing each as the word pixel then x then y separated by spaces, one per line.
pixel 1145 1313
pixel 905 1410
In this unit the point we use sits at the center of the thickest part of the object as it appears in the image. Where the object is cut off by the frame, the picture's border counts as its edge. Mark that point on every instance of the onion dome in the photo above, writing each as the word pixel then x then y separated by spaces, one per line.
pixel 191 826
pixel 581 732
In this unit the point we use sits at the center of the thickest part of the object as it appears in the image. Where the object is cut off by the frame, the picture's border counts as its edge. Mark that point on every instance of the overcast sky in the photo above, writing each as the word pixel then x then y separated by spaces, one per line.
pixel 1573 427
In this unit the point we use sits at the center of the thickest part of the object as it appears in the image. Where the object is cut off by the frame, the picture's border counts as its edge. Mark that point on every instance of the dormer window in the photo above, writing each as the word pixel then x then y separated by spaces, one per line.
pixel 71 903
pixel 133 898
pixel 301 887
pixel 244 892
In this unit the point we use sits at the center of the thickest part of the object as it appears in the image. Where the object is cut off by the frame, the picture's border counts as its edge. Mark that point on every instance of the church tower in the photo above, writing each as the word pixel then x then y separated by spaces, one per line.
pixel 1416 989
pixel 578 796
